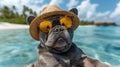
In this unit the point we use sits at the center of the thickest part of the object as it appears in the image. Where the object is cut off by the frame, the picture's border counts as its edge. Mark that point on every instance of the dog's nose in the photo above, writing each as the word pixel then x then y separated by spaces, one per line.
pixel 58 29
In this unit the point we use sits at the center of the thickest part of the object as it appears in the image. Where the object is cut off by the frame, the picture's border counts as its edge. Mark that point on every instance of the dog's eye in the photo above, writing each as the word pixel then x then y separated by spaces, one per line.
pixel 45 26
pixel 66 21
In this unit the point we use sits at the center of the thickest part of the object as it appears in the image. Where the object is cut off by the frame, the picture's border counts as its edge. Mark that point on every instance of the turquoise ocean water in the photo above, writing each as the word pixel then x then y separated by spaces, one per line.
pixel 18 48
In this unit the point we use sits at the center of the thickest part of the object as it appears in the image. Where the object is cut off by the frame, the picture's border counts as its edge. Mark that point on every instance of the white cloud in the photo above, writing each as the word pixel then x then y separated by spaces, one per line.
pixel 16 2
pixel 33 4
pixel 72 3
pixel 116 12
pixel 100 14
pixel 39 1
pixel 55 2
pixel 86 9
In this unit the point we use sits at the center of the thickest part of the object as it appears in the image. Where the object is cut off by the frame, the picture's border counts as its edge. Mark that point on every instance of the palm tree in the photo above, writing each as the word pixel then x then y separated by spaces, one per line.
pixel 6 12
pixel 14 7
pixel 25 9
pixel 34 13
pixel 30 11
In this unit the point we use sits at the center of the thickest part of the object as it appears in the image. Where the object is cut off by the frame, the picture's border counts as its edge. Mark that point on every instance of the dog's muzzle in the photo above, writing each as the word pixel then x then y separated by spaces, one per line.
pixel 59 39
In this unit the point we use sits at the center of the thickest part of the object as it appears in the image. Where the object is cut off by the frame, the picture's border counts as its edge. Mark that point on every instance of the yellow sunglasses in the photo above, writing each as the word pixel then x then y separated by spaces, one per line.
pixel 46 25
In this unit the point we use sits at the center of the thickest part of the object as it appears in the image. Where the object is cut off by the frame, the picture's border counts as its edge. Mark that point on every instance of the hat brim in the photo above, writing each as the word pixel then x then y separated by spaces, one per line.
pixel 33 26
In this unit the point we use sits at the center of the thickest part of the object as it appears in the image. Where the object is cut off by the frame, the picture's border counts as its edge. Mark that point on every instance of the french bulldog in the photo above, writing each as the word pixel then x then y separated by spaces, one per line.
pixel 56 48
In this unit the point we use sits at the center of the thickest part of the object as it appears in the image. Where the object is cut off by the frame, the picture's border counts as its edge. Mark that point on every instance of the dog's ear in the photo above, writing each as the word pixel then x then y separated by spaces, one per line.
pixel 30 19
pixel 74 10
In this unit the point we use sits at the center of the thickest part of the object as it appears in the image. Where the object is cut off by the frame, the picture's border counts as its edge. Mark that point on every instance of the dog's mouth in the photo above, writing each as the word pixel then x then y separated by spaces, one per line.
pixel 61 43
pixel 61 40
pixel 63 49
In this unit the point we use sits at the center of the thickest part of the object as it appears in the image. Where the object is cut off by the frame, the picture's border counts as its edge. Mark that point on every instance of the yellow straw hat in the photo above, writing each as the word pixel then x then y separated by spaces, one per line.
pixel 48 11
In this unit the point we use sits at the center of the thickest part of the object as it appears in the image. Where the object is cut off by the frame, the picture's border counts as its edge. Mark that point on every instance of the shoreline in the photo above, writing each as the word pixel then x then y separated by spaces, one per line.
pixel 7 25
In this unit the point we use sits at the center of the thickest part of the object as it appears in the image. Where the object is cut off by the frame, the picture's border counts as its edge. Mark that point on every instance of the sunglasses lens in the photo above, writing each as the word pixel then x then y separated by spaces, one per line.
pixel 45 26
pixel 66 21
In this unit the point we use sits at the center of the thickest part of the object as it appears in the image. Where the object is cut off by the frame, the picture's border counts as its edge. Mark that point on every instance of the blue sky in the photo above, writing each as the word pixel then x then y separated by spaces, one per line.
pixel 88 9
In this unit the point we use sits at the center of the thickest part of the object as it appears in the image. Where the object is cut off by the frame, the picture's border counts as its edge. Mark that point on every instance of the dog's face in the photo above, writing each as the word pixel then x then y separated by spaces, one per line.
pixel 56 32
pixel 58 39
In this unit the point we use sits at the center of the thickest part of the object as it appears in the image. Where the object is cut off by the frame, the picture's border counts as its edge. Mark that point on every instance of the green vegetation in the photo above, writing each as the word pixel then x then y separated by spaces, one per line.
pixel 17 20
pixel 11 14
pixel 86 22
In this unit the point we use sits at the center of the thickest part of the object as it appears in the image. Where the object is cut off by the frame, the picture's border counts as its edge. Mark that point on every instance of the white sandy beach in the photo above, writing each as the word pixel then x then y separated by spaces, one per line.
pixel 6 25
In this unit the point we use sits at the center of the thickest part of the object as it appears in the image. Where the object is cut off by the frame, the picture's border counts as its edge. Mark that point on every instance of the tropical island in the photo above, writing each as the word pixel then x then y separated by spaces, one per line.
pixel 11 15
